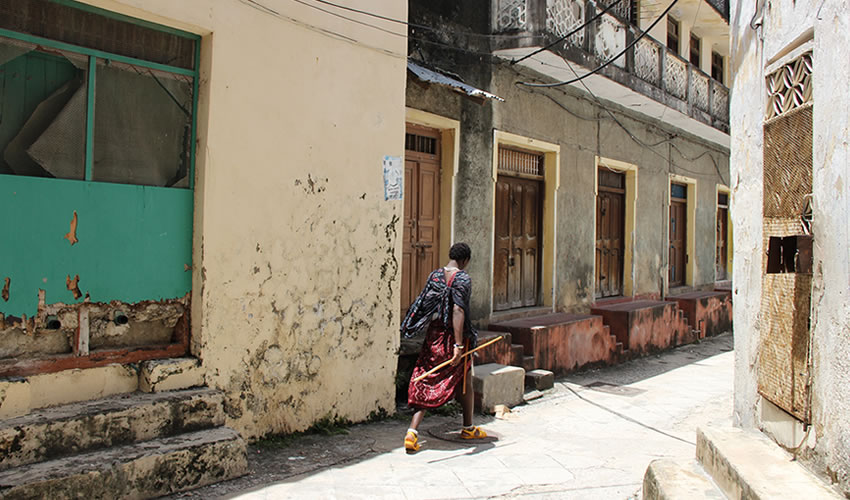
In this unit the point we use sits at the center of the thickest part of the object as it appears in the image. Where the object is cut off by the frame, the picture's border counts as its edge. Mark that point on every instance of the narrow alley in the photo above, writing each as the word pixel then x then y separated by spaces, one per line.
pixel 589 437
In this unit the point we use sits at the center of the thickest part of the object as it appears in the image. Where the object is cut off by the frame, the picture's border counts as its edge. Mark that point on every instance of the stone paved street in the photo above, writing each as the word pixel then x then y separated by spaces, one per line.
pixel 592 436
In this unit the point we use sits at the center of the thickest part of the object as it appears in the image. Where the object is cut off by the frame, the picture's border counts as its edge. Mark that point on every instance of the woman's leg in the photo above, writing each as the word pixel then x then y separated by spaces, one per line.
pixel 466 401
pixel 417 419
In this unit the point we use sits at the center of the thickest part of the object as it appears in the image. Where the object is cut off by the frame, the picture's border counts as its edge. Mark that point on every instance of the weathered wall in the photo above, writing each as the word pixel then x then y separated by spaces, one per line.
pixel 584 132
pixel 296 250
pixel 785 25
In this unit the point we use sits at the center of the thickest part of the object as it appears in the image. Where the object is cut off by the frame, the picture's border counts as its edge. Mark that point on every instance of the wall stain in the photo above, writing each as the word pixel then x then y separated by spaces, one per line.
pixel 71 236
pixel 5 292
pixel 73 285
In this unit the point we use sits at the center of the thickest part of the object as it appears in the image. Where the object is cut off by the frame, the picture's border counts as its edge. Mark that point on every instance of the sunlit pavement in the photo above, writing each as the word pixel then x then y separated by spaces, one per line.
pixel 590 437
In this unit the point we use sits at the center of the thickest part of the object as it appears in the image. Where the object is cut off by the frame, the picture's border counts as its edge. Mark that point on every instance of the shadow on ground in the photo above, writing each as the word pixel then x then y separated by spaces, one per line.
pixel 306 455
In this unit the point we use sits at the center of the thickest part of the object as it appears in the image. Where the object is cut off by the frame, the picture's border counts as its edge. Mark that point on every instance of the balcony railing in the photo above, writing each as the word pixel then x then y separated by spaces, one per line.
pixel 673 81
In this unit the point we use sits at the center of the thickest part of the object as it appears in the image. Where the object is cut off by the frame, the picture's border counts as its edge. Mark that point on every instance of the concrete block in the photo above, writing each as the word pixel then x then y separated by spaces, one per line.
pixel 496 384
pixel 170 374
pixel 114 421
pixel 144 470
pixel 14 397
pixel 746 464
pixel 21 395
pixel 540 379
pixel 671 480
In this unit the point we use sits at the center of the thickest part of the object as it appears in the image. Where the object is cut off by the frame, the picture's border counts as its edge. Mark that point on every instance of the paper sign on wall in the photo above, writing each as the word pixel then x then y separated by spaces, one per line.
pixel 393 178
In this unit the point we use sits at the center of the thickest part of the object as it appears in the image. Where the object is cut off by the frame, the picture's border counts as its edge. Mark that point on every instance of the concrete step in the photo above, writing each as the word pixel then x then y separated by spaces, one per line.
pixel 710 312
pixel 645 326
pixel 496 384
pixel 748 465
pixel 528 363
pixel 517 353
pixel 498 352
pixel 170 374
pixel 539 379
pixel 671 480
pixel 55 432
pixel 141 470
pixel 562 343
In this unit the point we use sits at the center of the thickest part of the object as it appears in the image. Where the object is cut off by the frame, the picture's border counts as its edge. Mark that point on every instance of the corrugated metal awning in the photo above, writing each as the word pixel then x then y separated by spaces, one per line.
pixel 431 76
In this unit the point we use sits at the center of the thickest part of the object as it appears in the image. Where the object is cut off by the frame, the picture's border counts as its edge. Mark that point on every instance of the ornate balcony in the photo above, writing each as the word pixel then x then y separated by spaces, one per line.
pixel 649 70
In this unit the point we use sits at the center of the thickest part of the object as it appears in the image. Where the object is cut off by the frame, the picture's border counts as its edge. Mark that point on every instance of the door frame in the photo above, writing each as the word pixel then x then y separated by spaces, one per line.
pixel 690 230
pixel 551 181
pixel 721 188
pixel 449 161
pixel 630 218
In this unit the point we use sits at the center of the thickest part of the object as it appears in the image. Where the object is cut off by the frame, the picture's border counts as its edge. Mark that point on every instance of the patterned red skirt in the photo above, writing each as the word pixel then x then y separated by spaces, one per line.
pixel 438 388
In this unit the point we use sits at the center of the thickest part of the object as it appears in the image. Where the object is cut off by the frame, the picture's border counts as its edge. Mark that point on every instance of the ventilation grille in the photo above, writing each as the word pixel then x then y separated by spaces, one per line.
pixel 420 144
pixel 788 163
pixel 790 86
pixel 512 161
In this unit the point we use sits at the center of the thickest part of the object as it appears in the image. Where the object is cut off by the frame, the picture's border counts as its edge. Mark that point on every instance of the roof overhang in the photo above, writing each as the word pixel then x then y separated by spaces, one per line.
pixel 430 76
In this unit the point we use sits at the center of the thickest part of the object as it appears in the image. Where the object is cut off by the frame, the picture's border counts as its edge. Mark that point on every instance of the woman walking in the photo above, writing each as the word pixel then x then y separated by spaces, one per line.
pixel 443 309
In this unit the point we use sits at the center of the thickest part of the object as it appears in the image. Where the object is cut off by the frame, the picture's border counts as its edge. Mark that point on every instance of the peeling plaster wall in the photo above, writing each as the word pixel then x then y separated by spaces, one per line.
pixel 296 252
pixel 785 24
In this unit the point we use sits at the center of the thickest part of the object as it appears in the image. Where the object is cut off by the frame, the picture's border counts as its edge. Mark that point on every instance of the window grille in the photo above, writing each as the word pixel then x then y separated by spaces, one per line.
pixel 420 144
pixel 514 161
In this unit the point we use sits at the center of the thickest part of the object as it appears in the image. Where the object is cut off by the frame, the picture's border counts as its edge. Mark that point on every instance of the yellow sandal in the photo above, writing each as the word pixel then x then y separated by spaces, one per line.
pixel 411 442
pixel 474 433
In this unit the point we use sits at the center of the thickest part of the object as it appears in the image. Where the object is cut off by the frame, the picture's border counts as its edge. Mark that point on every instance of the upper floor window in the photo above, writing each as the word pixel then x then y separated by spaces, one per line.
pixel 695 50
pixel 717 66
pixel 673 34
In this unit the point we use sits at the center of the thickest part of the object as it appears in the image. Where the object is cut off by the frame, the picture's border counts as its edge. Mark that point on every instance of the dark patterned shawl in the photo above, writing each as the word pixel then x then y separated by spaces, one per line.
pixel 438 297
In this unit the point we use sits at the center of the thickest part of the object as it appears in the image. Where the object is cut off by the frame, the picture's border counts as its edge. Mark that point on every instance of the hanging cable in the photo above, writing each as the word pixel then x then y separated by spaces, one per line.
pixel 571 33
pixel 599 68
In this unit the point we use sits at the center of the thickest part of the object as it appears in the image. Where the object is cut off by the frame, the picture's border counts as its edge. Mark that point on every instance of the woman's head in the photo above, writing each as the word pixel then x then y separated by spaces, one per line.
pixel 460 253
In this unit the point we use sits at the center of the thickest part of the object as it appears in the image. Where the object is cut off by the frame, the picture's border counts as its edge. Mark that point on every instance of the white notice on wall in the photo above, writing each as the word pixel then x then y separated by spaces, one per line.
pixel 393 178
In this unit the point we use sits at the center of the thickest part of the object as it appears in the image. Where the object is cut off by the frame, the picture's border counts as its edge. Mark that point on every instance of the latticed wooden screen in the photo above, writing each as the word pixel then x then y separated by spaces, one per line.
pixel 783 362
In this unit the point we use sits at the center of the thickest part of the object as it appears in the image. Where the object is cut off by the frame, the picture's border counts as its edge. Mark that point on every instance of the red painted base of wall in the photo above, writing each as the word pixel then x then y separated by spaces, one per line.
pixel 708 312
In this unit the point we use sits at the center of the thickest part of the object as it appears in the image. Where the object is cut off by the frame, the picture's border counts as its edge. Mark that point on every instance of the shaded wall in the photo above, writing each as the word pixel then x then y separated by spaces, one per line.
pixel 785 26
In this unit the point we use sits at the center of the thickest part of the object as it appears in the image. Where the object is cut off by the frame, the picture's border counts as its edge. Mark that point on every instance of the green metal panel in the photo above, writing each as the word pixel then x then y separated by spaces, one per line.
pixel 90 117
pixel 134 241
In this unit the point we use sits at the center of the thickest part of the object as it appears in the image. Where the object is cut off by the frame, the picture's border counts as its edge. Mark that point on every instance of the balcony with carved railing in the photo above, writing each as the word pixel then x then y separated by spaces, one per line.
pixel 648 69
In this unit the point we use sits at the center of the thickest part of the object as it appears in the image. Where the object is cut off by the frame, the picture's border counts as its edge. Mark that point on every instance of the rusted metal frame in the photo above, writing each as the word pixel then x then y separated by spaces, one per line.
pixel 26 367
pixel 89 158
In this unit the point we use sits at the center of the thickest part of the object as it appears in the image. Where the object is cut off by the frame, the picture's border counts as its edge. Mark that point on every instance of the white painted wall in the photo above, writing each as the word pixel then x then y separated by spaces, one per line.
pixel 785 25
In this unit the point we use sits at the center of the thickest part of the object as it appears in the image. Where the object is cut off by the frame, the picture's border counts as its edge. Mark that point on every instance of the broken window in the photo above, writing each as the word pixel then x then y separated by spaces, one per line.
pixel 142 126
pixel 43 114
pixel 130 121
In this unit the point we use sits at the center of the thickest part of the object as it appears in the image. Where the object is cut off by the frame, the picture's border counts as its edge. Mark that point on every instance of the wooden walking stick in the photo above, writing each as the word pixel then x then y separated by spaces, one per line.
pixel 441 365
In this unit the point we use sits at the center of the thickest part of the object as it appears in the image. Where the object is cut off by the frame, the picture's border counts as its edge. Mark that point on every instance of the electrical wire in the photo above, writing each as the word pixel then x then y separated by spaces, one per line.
pixel 421 26
pixel 605 64
pixel 254 4
pixel 571 33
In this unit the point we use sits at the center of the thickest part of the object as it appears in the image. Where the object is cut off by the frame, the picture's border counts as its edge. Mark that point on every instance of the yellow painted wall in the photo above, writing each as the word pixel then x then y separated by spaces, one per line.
pixel 296 252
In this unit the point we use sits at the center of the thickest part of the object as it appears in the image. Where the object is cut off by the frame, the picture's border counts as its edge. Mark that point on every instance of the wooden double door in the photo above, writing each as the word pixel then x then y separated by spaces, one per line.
pixel 421 233
pixel 516 265
pixel 610 230
pixel 721 255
